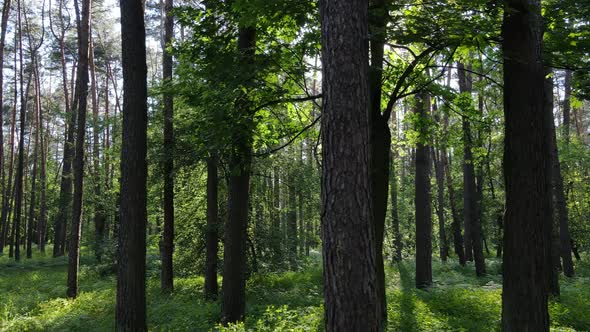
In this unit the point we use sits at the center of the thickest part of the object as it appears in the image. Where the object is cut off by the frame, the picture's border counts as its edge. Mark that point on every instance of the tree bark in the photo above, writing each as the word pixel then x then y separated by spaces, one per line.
pixel 440 212
pixel 397 236
pixel 473 232
pixel 234 254
pixel 10 192
pixel 3 185
pixel 130 314
pixel 292 223
pixel 99 208
pixel 527 260
pixel 20 165
pixel 351 296
pixel 457 236
pixel 567 106
pixel 563 247
pixel 80 105
pixel 65 191
pixel 167 250
pixel 422 200
pixel 552 148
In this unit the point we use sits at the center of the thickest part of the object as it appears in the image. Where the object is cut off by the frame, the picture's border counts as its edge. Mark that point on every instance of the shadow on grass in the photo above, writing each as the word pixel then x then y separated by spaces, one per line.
pixel 407 302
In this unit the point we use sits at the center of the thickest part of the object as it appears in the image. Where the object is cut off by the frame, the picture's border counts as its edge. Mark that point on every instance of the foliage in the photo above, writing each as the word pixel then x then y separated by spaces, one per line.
pixel 33 300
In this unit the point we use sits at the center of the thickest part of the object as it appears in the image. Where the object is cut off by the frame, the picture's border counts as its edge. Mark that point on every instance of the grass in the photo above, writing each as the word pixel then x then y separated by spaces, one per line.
pixel 32 299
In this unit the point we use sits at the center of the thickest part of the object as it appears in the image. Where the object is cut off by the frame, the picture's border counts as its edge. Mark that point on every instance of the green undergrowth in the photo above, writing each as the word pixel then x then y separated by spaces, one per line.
pixel 32 299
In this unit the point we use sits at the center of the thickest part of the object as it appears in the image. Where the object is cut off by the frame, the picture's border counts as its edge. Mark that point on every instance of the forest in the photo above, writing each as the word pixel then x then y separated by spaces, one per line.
pixel 295 165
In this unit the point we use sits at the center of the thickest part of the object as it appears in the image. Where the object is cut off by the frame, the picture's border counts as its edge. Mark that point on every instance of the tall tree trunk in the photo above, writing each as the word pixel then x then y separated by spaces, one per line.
pixel 352 301
pixel 440 198
pixel 130 314
pixel 167 278
pixel 439 171
pixel 80 106
pixel 567 106
pixel 397 236
pixel 422 200
pixel 32 204
pixel 65 190
pixel 528 218
pixel 234 254
pixel 473 231
pixel 99 208
pixel 560 199
pixel 563 247
pixel 457 236
pixel 3 185
pixel 10 192
pixel 20 166
pixel 276 217
pixel 551 149
pixel 380 144
pixel 212 241
pixel 292 223
pixel 42 223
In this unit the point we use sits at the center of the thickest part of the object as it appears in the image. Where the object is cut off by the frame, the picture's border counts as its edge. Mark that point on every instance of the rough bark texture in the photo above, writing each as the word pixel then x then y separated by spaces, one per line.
pixel 234 254
pixel 350 283
pixel 527 261
pixel 167 249
pixel 211 240
pixel 130 314
pixel 422 199
pixel 80 105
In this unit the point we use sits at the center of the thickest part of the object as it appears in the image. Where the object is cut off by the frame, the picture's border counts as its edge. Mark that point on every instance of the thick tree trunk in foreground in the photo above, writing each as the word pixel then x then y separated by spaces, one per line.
pixel 212 241
pixel 80 105
pixel 130 314
pixel 167 278
pixel 350 282
pixel 527 260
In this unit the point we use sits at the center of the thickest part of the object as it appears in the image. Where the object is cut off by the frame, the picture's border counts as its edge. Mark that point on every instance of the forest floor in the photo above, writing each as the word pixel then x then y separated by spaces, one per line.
pixel 32 299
